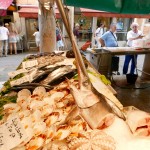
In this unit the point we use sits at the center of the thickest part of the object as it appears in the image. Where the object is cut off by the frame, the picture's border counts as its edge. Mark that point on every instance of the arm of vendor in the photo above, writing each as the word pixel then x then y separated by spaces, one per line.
pixel 130 37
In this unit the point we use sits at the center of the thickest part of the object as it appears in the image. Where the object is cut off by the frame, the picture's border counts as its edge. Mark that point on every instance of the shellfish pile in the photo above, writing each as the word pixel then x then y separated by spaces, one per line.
pixel 70 116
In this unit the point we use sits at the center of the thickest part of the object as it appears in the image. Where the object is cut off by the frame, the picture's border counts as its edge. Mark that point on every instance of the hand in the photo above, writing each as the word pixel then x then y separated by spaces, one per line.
pixel 140 36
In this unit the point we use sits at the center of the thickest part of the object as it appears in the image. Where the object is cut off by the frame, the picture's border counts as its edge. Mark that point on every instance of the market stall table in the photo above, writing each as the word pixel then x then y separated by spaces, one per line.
pixel 102 58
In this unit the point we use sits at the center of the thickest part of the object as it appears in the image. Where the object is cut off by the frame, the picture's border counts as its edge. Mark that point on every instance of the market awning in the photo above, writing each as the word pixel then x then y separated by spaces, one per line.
pixel 115 6
pixel 4 4
pixel 32 12
pixel 28 12
pixel 95 13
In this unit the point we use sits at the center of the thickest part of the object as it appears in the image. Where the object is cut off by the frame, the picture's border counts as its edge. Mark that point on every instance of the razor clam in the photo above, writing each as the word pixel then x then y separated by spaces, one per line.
pixel 30 86
pixel 93 106
pixel 59 75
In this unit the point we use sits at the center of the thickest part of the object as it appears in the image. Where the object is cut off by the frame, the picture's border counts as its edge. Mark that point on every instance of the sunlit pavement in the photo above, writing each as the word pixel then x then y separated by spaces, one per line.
pixel 10 63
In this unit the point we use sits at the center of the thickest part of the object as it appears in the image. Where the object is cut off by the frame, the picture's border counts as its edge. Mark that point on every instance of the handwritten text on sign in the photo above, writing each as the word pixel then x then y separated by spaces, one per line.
pixel 11 134
pixel 28 64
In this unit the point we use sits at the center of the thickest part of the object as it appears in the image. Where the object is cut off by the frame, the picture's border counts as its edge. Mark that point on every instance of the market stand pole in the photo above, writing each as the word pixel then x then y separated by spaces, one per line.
pixel 146 68
pixel 47 26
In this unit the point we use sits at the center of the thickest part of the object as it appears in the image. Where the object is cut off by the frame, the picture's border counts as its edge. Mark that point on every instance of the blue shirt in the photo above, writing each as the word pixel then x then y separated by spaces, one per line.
pixel 109 39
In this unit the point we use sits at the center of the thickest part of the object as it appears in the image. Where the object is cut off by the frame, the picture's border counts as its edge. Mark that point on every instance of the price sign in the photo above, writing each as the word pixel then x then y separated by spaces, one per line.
pixel 11 134
pixel 29 64
pixel 20 81
pixel 14 73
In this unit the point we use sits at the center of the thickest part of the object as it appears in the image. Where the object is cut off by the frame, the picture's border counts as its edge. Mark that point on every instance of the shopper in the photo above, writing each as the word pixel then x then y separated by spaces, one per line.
pixel 98 33
pixel 3 39
pixel 133 34
pixel 7 25
pixel 59 41
pixel 76 32
pixel 13 38
pixel 37 38
pixel 109 38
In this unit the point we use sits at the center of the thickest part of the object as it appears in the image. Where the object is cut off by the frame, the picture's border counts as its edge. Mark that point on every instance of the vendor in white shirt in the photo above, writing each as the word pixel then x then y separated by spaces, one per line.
pixel 134 34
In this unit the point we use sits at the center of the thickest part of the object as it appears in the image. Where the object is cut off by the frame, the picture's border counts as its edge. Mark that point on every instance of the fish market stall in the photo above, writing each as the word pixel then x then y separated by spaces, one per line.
pixel 61 103
pixel 37 96
pixel 42 112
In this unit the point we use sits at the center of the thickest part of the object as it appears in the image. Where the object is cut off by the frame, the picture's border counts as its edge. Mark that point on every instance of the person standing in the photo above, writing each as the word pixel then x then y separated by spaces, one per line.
pixel 59 41
pixel 133 34
pixel 4 32
pixel 37 38
pixel 109 38
pixel 7 25
pixel 76 32
pixel 98 33
pixel 13 38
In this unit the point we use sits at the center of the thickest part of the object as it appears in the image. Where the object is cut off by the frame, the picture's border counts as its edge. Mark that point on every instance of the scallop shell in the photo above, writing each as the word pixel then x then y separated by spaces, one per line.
pixel 34 105
pixel 92 140
pixel 11 108
pixel 24 113
pixel 36 116
pixel 52 119
pixel 41 91
pixel 27 122
pixel 24 93
pixel 51 132
pixel 39 128
pixel 35 143
pixel 62 132
pixel 46 110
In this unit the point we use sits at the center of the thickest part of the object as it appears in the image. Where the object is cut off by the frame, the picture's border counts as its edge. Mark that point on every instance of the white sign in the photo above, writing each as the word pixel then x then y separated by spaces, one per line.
pixel 14 73
pixel 11 134
pixel 24 79
pixel 28 64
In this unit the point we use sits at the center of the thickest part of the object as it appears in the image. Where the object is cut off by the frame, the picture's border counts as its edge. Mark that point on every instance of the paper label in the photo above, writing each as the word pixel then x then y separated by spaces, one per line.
pixel 28 64
pixel 11 134
pixel 24 79
pixel 14 73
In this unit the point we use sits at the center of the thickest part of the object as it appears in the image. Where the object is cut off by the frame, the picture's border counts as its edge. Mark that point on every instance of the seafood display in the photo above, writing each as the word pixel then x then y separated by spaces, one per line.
pixel 66 107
